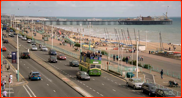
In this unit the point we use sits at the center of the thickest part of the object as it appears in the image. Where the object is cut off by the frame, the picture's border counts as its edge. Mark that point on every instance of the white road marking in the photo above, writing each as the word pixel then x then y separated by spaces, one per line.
pixel 133 90
pixel 119 84
pixel 101 94
pixel 102 83
pixel 86 86
pixel 27 67
pixel 27 91
pixel 114 90
pixel 90 88
pixel 97 92
pixel 116 82
pixel 24 64
pixel 47 84
pixel 93 90
pixel 93 79
pixel 54 90
pixel 83 84
pixel 31 91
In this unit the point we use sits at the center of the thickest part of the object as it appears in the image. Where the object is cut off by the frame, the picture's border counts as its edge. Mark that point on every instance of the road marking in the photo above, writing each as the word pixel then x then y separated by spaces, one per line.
pixel 47 84
pixel 86 86
pixel 93 79
pixel 54 90
pixel 101 94
pixel 97 92
pixel 90 88
pixel 24 64
pixel 119 84
pixel 27 67
pixel 116 82
pixel 83 84
pixel 102 83
pixel 93 90
pixel 133 90
pixel 27 91
pixel 31 91
pixel 114 90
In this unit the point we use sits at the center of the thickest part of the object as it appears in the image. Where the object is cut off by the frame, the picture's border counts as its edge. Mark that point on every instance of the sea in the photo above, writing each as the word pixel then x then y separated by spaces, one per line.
pixel 149 33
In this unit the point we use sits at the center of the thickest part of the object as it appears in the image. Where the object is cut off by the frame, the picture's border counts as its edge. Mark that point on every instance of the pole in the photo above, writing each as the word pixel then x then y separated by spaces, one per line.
pixel 90 35
pixel 52 36
pixel 9 83
pixel 81 38
pixel 1 49
pixel 146 41
pixel 17 59
pixel 137 59
pixel 32 29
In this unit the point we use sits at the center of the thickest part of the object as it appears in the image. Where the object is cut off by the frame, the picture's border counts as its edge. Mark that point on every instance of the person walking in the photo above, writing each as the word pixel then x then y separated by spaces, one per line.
pixel 126 60
pixel 5 93
pixel 114 57
pixel 117 57
pixel 11 78
pixel 3 83
pixel 174 48
pixel 169 48
pixel 162 74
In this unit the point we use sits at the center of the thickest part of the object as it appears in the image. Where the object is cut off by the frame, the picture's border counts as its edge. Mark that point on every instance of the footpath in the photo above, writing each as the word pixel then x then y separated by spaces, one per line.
pixel 150 76
pixel 5 73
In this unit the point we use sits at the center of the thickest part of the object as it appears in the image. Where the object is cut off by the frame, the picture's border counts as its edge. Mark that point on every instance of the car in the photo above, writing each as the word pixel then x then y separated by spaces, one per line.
pixel 29 41
pixel 5 41
pixel 52 59
pixel 149 88
pixel 24 55
pixel 11 35
pixel 33 43
pixel 43 48
pixel 9 56
pixel 52 52
pixel 82 75
pixel 20 36
pixel 14 33
pixel 34 48
pixel 163 92
pixel 34 76
pixel 136 83
pixel 74 63
pixel 61 57
pixel 24 38
pixel 4 48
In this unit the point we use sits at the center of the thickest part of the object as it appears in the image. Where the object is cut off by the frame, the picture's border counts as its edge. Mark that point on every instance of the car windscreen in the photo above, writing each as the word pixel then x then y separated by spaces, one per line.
pixel 84 73
pixel 35 74
pixel 98 66
pixel 137 81
pixel 53 57
pixel 34 47
pixel 53 51
pixel 75 62
pixel 153 87
pixel 168 92
pixel 25 53
pixel 92 66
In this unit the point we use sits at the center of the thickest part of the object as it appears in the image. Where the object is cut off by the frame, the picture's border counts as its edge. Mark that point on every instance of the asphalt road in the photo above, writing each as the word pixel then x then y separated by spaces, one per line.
pixel 104 86
pixel 49 86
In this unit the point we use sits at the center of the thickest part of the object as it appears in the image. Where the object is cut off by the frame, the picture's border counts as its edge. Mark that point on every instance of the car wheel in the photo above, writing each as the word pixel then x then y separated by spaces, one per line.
pixel 142 91
pixel 134 87
pixel 149 94
pixel 155 95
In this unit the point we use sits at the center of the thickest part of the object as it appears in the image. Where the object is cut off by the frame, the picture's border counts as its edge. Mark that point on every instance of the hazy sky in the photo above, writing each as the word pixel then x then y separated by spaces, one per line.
pixel 91 8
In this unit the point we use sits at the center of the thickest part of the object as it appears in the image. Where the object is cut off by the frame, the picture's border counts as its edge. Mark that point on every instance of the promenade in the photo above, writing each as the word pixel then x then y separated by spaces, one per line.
pixel 156 61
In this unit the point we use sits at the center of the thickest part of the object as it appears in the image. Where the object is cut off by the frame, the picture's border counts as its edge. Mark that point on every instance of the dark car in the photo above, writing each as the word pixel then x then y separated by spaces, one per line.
pixel 163 92
pixel 52 59
pixel 25 55
pixel 82 75
pixel 61 57
pixel 52 52
pixel 5 41
pixel 33 43
pixel 149 88
pixel 14 33
pixel 74 63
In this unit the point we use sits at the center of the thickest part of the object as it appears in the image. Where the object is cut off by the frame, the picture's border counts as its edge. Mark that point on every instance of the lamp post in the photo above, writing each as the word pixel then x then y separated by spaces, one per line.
pixel 81 38
pixel 90 35
pixel 52 36
pixel 17 59
pixel 137 59
pixel 146 40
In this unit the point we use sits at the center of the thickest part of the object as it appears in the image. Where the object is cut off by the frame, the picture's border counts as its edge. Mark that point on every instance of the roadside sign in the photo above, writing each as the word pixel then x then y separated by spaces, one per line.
pixel 14 57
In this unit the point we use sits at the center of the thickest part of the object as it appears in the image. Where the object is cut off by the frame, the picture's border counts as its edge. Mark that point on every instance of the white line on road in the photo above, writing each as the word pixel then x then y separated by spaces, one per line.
pixel 27 91
pixel 54 90
pixel 90 88
pixel 94 90
pixel 113 89
pixel 31 91
pixel 102 83
pixel 47 84
pixel 97 92
pixel 101 94
pixel 93 79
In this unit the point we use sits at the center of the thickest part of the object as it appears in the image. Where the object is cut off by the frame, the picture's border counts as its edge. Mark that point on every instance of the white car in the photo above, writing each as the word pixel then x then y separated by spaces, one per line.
pixel 34 48
pixel 20 36
pixel 136 83
pixel 43 48
pixel 24 38
pixel 29 41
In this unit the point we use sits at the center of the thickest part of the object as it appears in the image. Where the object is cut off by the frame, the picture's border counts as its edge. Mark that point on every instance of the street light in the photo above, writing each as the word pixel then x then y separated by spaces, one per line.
pixel 137 59
pixel 146 40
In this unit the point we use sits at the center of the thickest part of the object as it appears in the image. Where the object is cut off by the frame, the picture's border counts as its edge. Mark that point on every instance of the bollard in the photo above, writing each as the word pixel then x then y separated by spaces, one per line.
pixel 28 50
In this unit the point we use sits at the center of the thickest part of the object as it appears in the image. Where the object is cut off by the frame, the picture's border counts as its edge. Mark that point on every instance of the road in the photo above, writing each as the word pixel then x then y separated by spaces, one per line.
pixel 104 86
pixel 50 85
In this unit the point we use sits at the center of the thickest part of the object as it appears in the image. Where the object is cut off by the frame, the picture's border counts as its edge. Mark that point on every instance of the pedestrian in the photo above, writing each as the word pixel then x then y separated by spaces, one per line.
pixel 126 60
pixel 3 83
pixel 162 74
pixel 169 48
pixel 114 57
pixel 174 48
pixel 134 50
pixel 5 93
pixel 117 57
pixel 11 78
pixel 149 51
pixel 142 58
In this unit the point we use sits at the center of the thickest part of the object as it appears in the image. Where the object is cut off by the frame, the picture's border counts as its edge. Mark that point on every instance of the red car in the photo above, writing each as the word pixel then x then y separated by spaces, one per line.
pixel 3 48
pixel 61 57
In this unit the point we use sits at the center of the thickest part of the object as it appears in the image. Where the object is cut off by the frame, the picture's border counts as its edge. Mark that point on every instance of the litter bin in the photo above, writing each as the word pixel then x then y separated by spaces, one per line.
pixel 130 74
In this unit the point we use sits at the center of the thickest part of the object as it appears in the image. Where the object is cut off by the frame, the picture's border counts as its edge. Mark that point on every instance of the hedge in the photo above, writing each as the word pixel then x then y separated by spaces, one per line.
pixel 77 45
pixel 14 30
pixel 104 52
pixel 147 66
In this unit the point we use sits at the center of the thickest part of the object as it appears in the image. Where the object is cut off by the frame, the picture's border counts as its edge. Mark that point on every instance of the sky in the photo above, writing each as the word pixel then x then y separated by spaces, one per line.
pixel 91 8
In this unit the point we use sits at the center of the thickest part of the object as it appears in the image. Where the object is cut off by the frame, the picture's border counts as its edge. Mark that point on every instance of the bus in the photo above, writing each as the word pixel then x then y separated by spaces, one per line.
pixel 91 65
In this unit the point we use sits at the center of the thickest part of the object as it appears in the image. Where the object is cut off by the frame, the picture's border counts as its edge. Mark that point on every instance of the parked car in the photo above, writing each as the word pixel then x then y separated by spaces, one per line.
pixel 20 36
pixel 11 35
pixel 14 33
pixel 9 56
pixel 34 76
pixel 29 41
pixel 43 48
pixel 24 55
pixel 135 83
pixel 74 63
pixel 52 59
pixel 33 43
pixel 5 41
pixel 52 52
pixel 61 57
pixel 4 48
pixel 34 48
pixel 163 92
pixel 82 75
pixel 149 89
